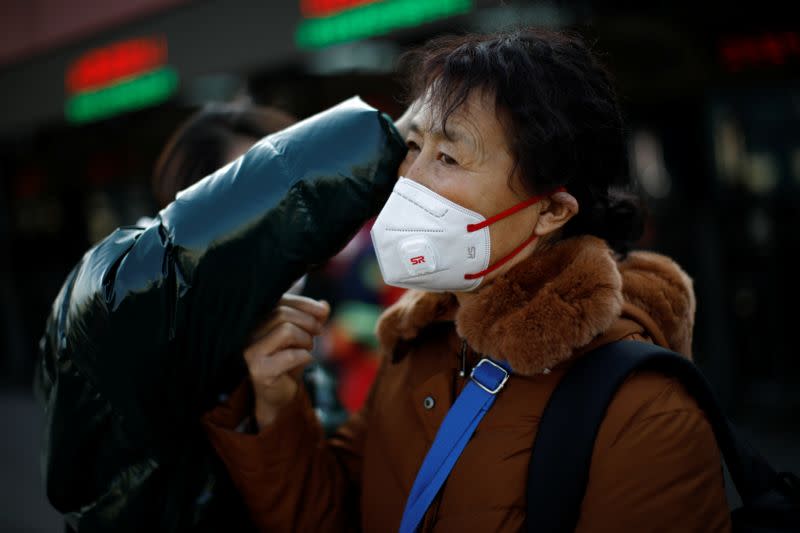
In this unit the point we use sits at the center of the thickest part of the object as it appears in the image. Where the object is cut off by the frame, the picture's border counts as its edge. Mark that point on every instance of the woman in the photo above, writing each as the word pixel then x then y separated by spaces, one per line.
pixel 519 136
pixel 209 139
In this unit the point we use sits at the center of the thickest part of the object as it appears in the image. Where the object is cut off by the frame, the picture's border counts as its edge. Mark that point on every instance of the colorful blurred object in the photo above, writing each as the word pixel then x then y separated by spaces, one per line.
pixel 359 296
pixel 122 77
pixel 329 22
pixel 774 48
pixel 356 363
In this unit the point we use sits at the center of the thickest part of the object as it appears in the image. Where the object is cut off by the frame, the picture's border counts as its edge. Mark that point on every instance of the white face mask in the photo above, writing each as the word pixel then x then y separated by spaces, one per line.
pixel 425 241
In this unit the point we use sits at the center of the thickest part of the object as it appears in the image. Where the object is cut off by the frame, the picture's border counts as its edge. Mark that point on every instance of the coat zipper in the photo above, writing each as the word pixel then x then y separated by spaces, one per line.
pixel 463 371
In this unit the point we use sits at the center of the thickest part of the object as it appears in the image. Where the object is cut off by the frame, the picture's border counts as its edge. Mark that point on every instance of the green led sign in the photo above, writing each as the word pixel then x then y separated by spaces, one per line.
pixel 129 94
pixel 377 18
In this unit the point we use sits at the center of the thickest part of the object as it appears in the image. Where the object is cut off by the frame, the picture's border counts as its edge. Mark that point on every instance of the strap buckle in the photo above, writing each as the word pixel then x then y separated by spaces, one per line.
pixel 499 382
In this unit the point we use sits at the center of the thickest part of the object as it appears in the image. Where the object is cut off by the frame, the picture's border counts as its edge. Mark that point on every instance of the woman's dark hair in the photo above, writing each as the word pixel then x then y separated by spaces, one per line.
pixel 202 143
pixel 560 107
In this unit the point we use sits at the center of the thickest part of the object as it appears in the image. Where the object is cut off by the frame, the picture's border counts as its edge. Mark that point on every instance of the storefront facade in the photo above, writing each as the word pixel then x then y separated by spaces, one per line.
pixel 711 99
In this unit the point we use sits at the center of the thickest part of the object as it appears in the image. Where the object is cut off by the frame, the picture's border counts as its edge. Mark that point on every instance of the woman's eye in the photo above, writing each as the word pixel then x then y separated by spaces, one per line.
pixel 412 145
pixel 446 159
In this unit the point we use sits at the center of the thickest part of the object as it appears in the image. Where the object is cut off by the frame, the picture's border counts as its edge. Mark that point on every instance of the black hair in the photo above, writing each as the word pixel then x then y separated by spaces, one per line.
pixel 565 125
pixel 201 144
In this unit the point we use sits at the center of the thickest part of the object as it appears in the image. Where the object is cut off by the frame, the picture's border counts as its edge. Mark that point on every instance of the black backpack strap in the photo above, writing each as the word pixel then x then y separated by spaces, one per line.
pixel 562 453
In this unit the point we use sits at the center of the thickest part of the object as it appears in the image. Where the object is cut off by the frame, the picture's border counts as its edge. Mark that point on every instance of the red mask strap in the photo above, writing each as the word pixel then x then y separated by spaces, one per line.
pixel 500 216
pixel 511 210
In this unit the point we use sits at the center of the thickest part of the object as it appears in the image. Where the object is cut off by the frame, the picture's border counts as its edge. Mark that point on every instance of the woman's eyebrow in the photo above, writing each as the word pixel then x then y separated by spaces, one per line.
pixel 452 135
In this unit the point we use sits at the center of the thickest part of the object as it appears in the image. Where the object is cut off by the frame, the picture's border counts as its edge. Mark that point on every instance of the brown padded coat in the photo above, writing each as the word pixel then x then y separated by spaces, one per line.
pixel 655 465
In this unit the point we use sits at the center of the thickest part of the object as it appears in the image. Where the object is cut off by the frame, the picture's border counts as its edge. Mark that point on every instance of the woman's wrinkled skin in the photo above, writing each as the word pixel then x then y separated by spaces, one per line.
pixel 470 164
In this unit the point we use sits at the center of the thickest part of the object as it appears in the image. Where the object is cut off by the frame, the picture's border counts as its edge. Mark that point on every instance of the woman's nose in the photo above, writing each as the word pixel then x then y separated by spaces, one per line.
pixel 414 169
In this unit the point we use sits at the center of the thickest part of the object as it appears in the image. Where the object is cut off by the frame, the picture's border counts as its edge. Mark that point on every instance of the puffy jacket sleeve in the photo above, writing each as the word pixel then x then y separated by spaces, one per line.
pixel 291 477
pixel 147 328
pixel 655 466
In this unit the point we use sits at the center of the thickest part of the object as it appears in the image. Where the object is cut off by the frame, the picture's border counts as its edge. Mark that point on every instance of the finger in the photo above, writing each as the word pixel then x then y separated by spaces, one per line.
pixel 292 315
pixel 268 369
pixel 318 308
pixel 285 335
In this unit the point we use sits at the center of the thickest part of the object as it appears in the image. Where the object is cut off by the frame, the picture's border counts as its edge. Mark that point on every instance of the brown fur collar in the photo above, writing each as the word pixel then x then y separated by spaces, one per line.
pixel 556 301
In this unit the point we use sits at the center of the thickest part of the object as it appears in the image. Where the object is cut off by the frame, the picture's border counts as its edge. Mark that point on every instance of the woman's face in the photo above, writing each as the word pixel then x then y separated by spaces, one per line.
pixel 472 167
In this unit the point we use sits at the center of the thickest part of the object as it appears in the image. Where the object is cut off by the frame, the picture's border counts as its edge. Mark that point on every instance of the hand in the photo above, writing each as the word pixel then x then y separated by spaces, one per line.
pixel 280 345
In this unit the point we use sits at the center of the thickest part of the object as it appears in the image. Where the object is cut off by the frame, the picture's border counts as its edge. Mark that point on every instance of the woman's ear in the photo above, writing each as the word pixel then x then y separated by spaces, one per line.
pixel 555 211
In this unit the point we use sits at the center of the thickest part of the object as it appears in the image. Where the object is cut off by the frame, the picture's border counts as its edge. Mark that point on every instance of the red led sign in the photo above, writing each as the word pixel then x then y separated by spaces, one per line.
pixel 103 66
pixel 769 48
pixel 326 8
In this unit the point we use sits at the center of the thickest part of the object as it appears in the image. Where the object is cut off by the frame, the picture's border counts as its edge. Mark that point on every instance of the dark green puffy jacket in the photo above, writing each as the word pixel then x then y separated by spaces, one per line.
pixel 148 328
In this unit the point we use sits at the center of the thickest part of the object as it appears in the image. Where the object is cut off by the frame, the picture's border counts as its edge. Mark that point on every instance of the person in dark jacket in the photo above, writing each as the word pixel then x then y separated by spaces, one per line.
pixel 511 222
pixel 143 336
pixel 210 138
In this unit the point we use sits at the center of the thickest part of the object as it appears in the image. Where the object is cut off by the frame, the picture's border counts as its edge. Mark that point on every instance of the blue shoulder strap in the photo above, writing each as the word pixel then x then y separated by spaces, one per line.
pixel 486 380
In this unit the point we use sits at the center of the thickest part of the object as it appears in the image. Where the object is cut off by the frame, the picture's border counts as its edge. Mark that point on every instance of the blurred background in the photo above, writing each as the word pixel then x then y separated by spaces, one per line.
pixel 92 90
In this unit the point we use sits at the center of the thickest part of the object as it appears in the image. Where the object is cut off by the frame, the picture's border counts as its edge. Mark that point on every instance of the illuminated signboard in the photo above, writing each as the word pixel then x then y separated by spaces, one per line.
pixel 117 78
pixel 324 8
pixel 766 49
pixel 335 21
